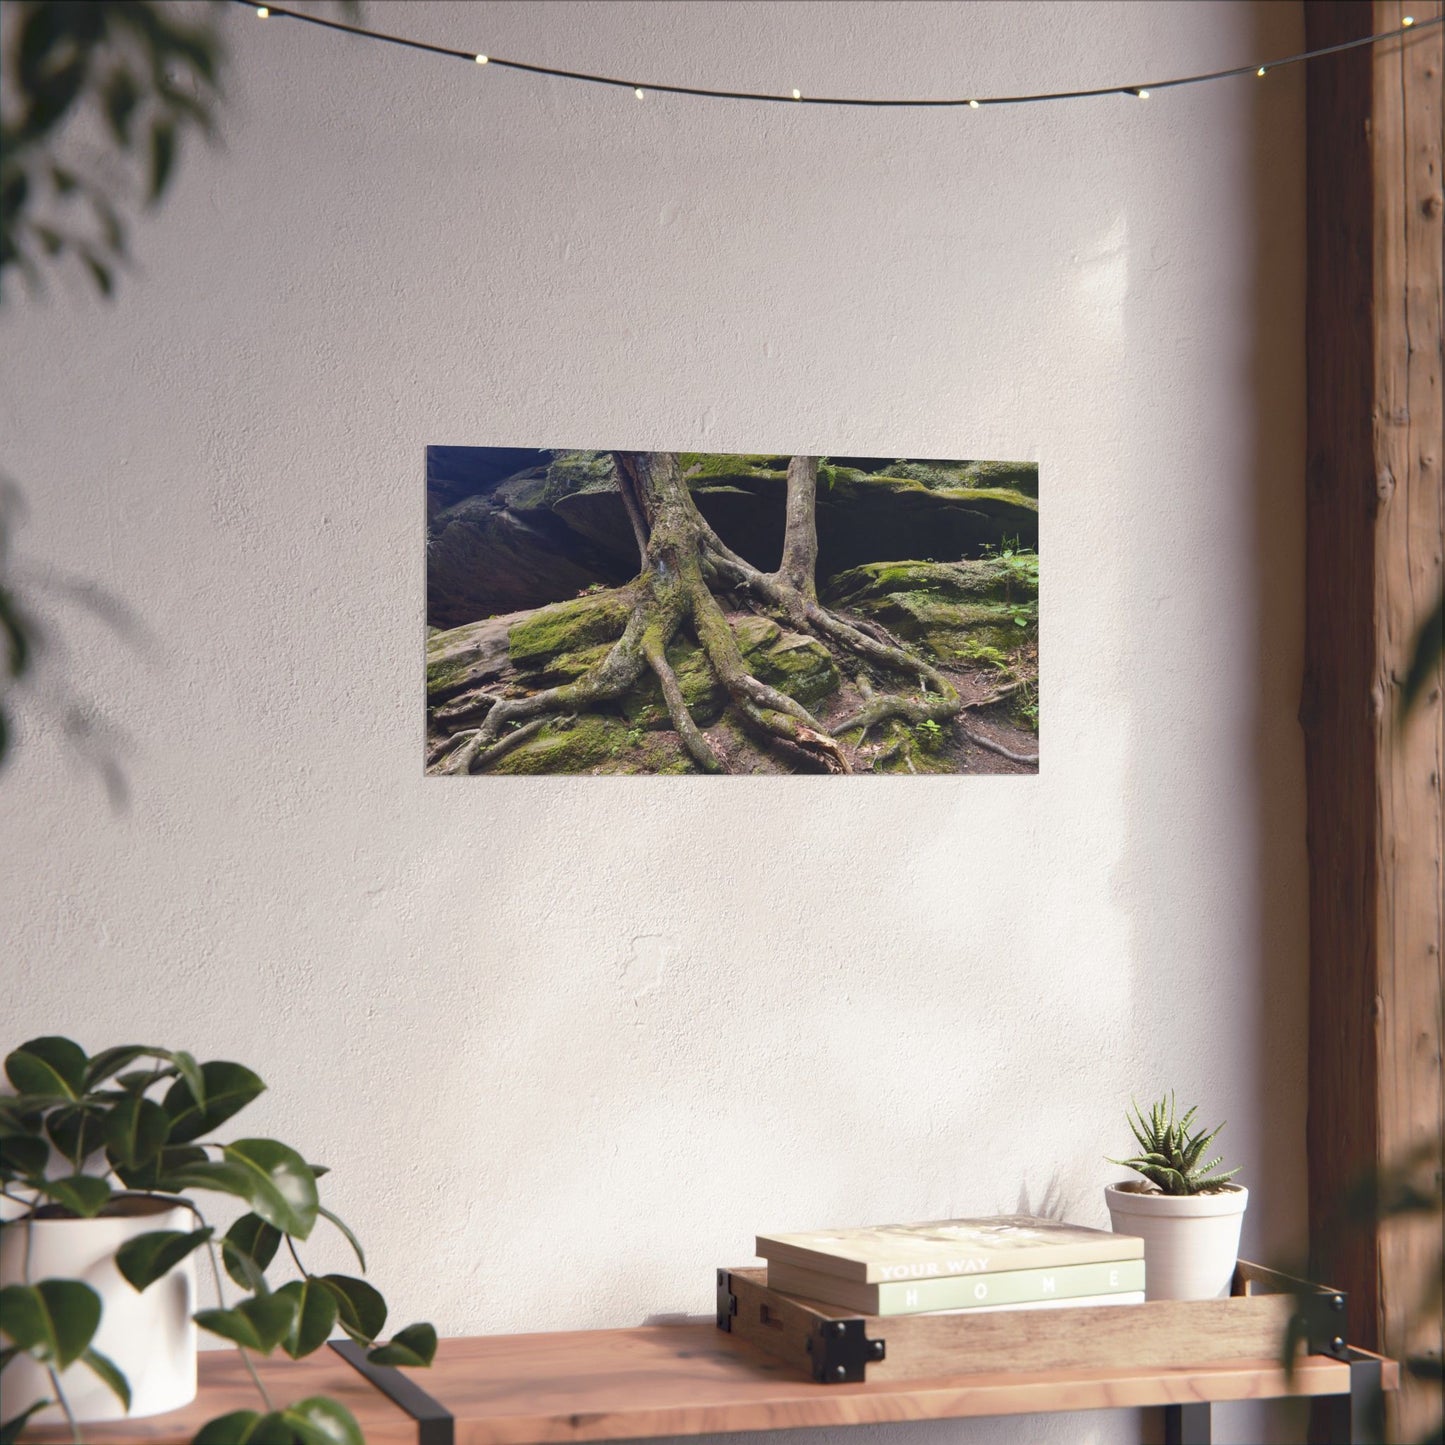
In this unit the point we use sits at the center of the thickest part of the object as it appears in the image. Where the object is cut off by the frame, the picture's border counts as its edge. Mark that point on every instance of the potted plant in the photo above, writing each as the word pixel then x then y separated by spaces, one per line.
pixel 101 1162
pixel 1187 1214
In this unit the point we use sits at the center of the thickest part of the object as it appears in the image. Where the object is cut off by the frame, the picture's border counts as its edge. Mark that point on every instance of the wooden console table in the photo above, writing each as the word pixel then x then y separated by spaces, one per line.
pixel 692 1379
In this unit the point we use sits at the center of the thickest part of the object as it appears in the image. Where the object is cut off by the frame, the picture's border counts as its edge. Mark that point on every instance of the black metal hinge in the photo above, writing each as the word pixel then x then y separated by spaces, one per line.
pixel 727 1301
pixel 1324 1323
pixel 841 1351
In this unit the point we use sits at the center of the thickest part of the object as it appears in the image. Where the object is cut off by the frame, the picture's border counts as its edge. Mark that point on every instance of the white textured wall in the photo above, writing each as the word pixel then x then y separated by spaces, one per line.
pixel 567 1043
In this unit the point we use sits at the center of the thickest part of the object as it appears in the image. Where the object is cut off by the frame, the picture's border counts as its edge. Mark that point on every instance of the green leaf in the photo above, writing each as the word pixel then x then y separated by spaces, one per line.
pixel 248 1248
pixel 282 1186
pixel 245 1427
pixel 155 1174
pixel 54 1320
pixel 10 1431
pixel 316 1311
pixel 137 1081
pixel 22 1156
pixel 49 1065
pixel 360 1309
pixel 105 1368
pixel 415 1345
pixel 111 1061
pixel 351 1239
pixel 227 1088
pixel 76 1131
pixel 149 1257
pixel 135 1131
pixel 259 1323
pixel 195 1076
pixel 83 1194
pixel 319 1421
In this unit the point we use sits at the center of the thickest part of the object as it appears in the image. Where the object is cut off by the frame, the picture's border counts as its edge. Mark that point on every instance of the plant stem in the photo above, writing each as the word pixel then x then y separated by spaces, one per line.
pixel 64 1405
pixel 221 1301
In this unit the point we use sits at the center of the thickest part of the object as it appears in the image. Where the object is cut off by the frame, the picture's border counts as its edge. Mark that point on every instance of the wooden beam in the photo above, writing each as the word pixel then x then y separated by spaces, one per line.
pixel 1373 569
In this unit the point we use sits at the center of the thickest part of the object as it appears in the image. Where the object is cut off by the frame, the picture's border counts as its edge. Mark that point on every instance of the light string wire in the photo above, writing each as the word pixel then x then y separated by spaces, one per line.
pixel 640 88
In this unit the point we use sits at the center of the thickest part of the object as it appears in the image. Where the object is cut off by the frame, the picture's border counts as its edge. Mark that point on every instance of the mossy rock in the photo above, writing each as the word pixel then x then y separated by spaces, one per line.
pixel 1016 476
pixel 730 464
pixel 593 743
pixel 987 579
pixel 468 656
pixel 953 610
pixel 572 473
pixel 539 637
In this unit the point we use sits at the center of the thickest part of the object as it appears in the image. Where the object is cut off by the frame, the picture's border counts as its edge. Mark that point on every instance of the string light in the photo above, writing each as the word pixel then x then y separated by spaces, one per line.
pixel 1142 92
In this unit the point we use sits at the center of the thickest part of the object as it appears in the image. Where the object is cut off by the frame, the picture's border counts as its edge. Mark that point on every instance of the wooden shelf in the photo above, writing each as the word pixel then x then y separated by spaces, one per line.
pixel 688 1379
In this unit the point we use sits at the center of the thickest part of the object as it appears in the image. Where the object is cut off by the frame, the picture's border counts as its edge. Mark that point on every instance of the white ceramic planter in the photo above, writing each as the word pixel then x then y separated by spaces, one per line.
pixel 150 1336
pixel 1191 1241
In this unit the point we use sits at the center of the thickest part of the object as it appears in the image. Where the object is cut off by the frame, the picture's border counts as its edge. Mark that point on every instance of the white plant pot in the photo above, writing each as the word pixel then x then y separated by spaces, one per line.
pixel 1191 1241
pixel 149 1335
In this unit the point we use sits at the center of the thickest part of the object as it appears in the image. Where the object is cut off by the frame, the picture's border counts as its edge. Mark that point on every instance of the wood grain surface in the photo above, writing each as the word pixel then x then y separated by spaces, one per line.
pixel 225 1386
pixel 1375 539
pixel 687 1380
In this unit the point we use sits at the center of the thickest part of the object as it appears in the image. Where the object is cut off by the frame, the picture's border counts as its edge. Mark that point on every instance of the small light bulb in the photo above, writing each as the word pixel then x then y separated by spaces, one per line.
pixel 262 12
pixel 638 92
pixel 1408 21
pixel 973 105
pixel 481 60
pixel 1142 94
pixel 1260 72
pixel 797 95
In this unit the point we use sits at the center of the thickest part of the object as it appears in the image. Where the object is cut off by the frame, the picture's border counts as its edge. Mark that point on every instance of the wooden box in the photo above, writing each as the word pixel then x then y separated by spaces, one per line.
pixel 836 1345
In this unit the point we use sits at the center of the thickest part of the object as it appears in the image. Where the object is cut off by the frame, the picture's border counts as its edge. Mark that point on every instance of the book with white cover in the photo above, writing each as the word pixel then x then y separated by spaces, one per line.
pixel 1129 1297
pixel 961 1292
pixel 888 1252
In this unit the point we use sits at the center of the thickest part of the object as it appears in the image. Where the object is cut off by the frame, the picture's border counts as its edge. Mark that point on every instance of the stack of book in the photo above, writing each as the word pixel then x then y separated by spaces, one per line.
pixel 1012 1261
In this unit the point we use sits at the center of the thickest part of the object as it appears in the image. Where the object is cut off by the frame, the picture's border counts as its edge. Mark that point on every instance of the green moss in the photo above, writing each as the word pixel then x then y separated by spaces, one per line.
pixel 729 464
pixel 993 499
pixel 946 608
pixel 593 743
pixel 445 674
pixel 1016 476
pixel 570 473
pixel 799 666
pixel 988 579
pixel 567 627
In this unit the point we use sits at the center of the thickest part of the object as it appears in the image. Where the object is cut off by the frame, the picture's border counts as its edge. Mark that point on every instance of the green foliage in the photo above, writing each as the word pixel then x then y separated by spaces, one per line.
pixel 147 75
pixel 96 1116
pixel 930 733
pixel 1171 1155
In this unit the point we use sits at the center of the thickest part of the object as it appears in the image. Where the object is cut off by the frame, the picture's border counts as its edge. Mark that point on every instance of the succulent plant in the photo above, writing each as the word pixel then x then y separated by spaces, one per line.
pixel 1170 1153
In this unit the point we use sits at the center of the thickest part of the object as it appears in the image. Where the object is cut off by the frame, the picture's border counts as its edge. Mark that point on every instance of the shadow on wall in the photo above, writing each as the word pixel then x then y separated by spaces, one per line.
pixel 1251 1002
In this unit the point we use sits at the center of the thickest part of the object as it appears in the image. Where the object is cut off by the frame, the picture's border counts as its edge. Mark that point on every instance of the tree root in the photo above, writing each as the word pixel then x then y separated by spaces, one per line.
pixel 476 755
pixel 693 738
pixel 684 566
pixel 979 740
